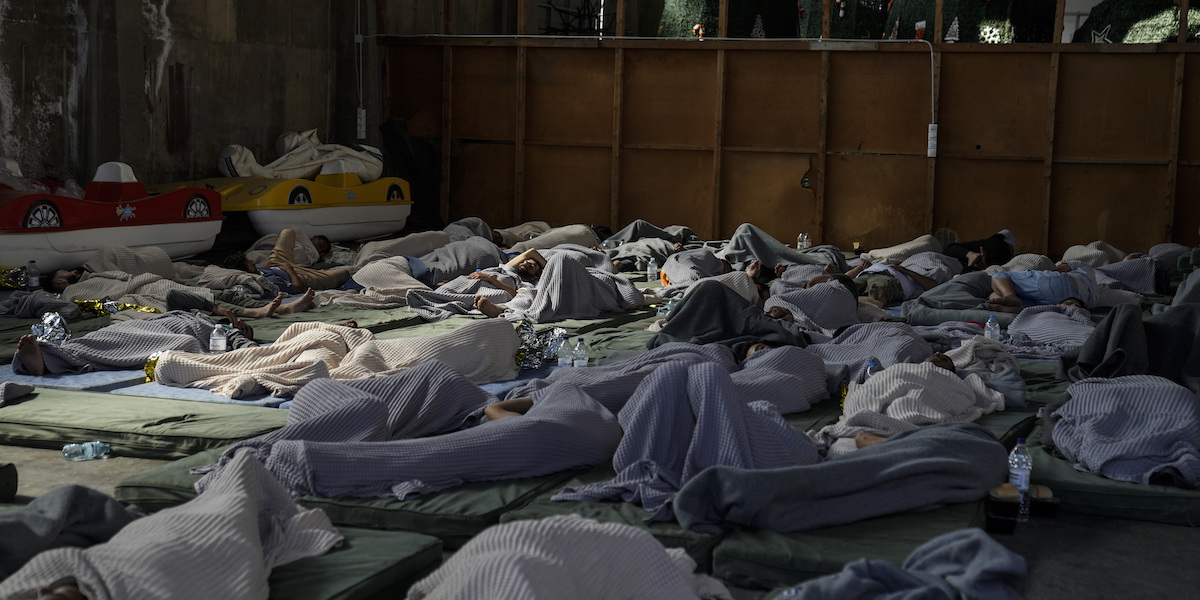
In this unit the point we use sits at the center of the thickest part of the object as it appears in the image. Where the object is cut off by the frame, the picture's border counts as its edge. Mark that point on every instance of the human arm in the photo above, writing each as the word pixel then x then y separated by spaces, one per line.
pixel 923 281
pixel 494 282
pixel 529 254
pixel 508 408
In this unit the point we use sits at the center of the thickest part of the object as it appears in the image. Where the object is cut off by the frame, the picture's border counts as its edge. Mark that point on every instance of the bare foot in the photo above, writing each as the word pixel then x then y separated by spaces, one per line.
pixel 754 269
pixel 30 354
pixel 487 307
pixel 262 312
pixel 350 324
pixel 779 269
pixel 876 294
pixel 865 439
pixel 831 268
pixel 300 304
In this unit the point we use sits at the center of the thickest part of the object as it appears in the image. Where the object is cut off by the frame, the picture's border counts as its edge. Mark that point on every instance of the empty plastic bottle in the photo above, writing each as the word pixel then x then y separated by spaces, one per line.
pixel 33 277
pixel 652 270
pixel 802 241
pixel 565 355
pixel 873 368
pixel 1020 469
pixel 217 342
pixel 85 451
pixel 580 354
pixel 991 330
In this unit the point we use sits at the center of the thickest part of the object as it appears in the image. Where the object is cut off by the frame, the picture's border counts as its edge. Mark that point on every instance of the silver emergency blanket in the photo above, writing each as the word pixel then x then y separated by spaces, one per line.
pixel 126 344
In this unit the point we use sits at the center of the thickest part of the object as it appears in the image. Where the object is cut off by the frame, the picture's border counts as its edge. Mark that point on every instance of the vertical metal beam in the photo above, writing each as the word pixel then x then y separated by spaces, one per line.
pixel 447 131
pixel 718 141
pixel 822 144
pixel 931 176
pixel 614 206
pixel 1176 116
pixel 1059 15
pixel 519 157
pixel 1048 160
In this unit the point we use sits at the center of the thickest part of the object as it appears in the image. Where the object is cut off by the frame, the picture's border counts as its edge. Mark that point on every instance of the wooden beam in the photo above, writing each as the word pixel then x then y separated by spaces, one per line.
pixel 619 29
pixel 939 13
pixel 521 16
pixel 447 91
pixel 1048 160
pixel 1176 116
pixel 723 19
pixel 826 18
pixel 818 186
pixel 1183 21
pixel 614 206
pixel 1059 16
pixel 719 135
pixel 447 17
pixel 519 151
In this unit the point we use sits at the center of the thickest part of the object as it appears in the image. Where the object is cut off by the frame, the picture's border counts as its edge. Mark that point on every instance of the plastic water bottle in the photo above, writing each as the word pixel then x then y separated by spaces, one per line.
pixel 873 368
pixel 1020 466
pixel 85 451
pixel 217 341
pixel 992 329
pixel 565 355
pixel 33 277
pixel 581 353
pixel 802 241
pixel 652 270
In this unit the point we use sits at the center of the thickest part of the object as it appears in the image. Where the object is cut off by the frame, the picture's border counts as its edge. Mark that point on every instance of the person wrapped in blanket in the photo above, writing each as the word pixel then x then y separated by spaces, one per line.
pixel 222 544
pixel 284 270
pixel 885 285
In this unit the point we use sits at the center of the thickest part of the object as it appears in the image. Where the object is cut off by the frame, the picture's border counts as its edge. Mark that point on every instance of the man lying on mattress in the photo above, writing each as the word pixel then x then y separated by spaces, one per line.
pixel 1070 283
pixel 567 288
pixel 662 418
pixel 885 285
pixel 222 544
pixel 631 248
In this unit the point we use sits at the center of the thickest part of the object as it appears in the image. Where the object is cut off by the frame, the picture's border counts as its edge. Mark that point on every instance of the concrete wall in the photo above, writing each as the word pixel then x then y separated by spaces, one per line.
pixel 164 85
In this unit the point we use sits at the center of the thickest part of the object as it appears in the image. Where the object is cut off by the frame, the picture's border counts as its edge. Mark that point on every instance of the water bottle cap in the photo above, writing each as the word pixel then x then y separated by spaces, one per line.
pixel 1020 441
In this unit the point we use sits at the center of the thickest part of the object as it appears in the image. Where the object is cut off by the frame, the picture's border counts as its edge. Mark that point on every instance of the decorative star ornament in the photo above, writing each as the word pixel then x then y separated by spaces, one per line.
pixel 125 212
pixel 1101 37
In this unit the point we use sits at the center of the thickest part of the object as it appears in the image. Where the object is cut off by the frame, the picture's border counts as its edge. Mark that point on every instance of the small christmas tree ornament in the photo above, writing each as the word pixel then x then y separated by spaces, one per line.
pixel 758 31
pixel 952 33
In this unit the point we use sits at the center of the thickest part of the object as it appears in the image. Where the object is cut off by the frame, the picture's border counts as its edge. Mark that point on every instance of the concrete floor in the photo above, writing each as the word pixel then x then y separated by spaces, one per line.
pixel 1070 556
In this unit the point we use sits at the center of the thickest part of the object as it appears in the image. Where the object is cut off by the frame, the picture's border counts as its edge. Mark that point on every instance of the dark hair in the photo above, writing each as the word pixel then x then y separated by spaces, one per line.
pixel 235 260
pixel 323 239
pixel 1075 298
pixel 50 285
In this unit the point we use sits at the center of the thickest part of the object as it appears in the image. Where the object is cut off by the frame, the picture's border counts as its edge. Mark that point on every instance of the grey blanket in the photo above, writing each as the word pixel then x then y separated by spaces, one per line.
pixel 460 258
pixel 961 564
pixel 1049 330
pixel 135 261
pixel 128 344
pixel 924 468
pixel 683 419
pixel 713 313
pixel 1125 343
pixel 689 266
pixel 1137 428
pixel 11 390
pixel 358 451
pixel 959 299
pixel 569 290
pixel 1188 293
pixel 886 343
pixel 583 255
pixel 457 296
pixel 639 229
pixel 581 235
pixel 467 228
pixel 32 305
pixel 71 516
pixel 749 243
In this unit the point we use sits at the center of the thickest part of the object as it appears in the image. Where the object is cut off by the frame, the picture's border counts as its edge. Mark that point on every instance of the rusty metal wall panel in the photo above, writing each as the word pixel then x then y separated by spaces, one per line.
pixel 1123 205
pixel 1189 127
pixel 772 100
pixel 413 88
pixel 1114 106
pixel 481 182
pixel 876 200
pixel 879 102
pixel 1187 208
pixel 667 187
pixel 565 185
pixel 669 98
pixel 484 101
pixel 765 189
pixel 569 96
pixel 993 104
pixel 976 198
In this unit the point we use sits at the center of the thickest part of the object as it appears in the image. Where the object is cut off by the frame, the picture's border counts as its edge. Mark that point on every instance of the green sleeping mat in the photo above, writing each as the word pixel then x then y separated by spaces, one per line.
pixel 1042 384
pixel 454 515
pixel 12 328
pixel 133 425
pixel 370 564
pixel 698 545
pixel 767 559
pixel 1090 493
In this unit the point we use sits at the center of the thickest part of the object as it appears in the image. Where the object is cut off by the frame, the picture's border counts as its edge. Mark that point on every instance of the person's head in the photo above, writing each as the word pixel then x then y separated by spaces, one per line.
pixel 941 360
pixel 322 244
pixel 497 238
pixel 1073 301
pixel 759 346
pixel 779 312
pixel 238 261
pixel 529 270
pixel 63 589
pixel 60 280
